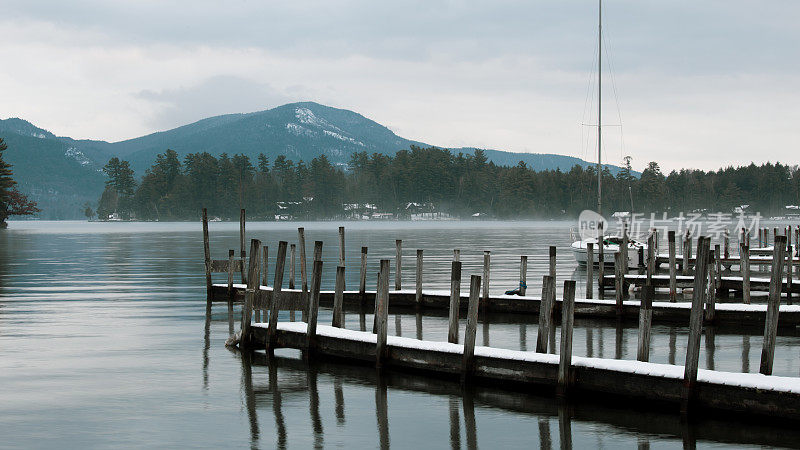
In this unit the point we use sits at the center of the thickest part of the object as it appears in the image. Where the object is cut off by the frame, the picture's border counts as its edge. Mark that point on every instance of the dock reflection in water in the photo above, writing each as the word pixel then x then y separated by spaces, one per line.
pixel 422 403
pixel 412 410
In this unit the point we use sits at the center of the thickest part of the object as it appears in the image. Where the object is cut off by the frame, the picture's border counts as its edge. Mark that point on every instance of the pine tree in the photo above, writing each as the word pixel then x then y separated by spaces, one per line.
pixel 12 202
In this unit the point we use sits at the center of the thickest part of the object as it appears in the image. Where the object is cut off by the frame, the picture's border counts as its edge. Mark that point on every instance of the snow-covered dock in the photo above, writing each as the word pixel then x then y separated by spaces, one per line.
pixel 640 382
pixel 726 313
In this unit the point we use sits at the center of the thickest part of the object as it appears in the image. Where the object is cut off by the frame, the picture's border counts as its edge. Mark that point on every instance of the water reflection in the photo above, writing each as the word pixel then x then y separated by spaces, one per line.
pixel 459 406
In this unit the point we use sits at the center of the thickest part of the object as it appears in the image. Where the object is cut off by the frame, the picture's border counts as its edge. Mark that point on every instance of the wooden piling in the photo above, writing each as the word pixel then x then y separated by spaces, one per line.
pixel 313 305
pixel 645 322
pixel 624 249
pixel 338 299
pixel 719 291
pixel 455 300
pixel 472 327
pixel 264 265
pixel 687 253
pixel 545 313
pixel 317 250
pixel 485 287
pixel 601 260
pixel 382 312
pixel 341 249
pixel 523 275
pixel 646 305
pixel 744 264
pixel 207 254
pixel 418 293
pixel 553 261
pixel 760 242
pixel 398 274
pixel 301 242
pixel 710 286
pixel 292 264
pixel 789 273
pixel 250 293
pixel 726 240
pixel 771 322
pixel 567 321
pixel 695 324
pixel 242 252
pixel 277 286
pixel 231 293
pixel 673 270
pixel 362 277
pixel 619 283
pixel 589 269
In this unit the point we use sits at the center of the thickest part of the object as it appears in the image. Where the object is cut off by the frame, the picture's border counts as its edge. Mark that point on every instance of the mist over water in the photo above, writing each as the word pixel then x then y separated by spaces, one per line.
pixel 105 340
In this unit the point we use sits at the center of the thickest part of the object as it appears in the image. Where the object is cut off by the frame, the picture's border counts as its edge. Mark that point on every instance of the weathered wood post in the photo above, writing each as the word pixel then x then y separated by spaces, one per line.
pixel 362 277
pixel 624 249
pixel 207 254
pixel 231 292
pixel 695 324
pixel 567 320
pixel 382 313
pixel 398 274
pixel 523 275
pixel 250 292
pixel 301 242
pixel 264 264
pixel 338 299
pixel 619 280
pixel 317 250
pixel 711 307
pixel 727 244
pixel 277 286
pixel 545 313
pixel 719 291
pixel 760 241
pixel 292 264
pixel 646 306
pixel 313 306
pixel 553 261
pixel 789 273
pixel 242 251
pixel 744 266
pixel 601 259
pixel 673 270
pixel 589 269
pixel 687 253
pixel 773 307
pixel 418 294
pixel 485 280
pixel 455 301
pixel 472 327
pixel 341 249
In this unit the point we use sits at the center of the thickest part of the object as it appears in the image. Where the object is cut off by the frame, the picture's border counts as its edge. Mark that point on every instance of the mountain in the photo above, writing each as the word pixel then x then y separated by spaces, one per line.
pixel 62 173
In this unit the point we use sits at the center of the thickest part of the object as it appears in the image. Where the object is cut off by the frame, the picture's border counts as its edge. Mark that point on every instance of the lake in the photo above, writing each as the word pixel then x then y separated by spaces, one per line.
pixel 105 341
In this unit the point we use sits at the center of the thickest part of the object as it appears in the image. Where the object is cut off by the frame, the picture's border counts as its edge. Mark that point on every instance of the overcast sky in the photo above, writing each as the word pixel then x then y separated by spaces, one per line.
pixel 699 84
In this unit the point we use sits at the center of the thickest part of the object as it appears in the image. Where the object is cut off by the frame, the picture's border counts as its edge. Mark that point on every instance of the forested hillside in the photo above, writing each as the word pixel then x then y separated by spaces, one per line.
pixel 458 184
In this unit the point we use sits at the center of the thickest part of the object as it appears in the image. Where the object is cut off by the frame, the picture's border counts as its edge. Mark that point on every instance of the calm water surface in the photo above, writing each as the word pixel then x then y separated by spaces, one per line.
pixel 105 341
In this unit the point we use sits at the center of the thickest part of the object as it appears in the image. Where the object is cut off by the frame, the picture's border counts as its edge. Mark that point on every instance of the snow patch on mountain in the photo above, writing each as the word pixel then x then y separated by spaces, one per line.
pixel 77 155
pixel 306 116
pixel 343 138
pixel 299 130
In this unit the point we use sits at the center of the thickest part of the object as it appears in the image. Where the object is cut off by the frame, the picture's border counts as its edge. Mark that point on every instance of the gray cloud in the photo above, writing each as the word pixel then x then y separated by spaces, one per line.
pixel 214 96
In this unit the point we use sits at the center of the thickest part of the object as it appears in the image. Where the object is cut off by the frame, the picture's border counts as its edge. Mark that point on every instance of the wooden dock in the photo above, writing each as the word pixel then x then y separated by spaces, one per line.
pixel 681 387
pixel 734 283
pixel 433 300
pixel 684 387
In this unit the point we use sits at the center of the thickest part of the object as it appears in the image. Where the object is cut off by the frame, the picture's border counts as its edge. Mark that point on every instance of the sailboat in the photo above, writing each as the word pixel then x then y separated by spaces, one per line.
pixel 611 244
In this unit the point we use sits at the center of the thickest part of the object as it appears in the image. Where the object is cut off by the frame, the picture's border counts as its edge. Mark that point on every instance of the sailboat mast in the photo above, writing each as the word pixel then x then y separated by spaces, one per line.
pixel 599 107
